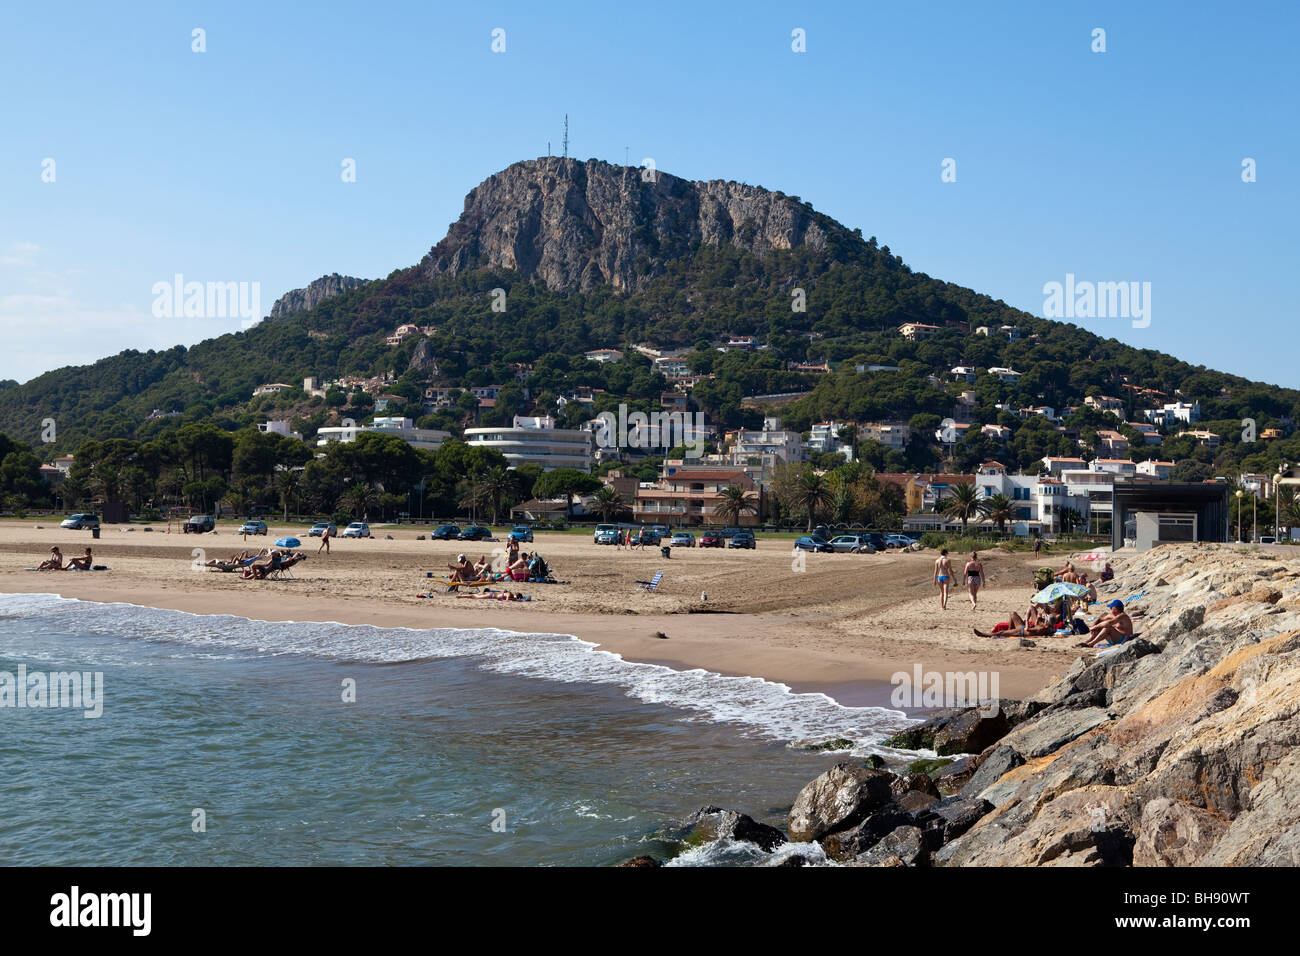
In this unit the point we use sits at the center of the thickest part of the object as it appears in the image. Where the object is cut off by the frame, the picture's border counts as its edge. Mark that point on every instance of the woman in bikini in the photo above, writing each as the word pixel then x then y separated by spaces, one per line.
pixel 942 575
pixel 974 572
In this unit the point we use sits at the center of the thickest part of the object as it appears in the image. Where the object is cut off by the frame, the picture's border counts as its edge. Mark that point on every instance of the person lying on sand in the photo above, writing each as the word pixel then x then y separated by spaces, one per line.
pixel 489 595
pixel 53 563
pixel 278 562
pixel 80 564
pixel 235 562
pixel 1039 622
pixel 1113 627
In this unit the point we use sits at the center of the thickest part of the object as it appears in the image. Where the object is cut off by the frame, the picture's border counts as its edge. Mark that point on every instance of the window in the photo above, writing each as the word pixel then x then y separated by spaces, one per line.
pixel 1177 528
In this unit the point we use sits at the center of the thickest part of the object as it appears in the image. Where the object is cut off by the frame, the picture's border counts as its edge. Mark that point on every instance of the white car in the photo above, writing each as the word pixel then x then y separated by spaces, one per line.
pixel 357 529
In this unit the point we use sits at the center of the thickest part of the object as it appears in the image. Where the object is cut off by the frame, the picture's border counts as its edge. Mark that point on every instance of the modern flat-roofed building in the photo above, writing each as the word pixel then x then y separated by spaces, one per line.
pixel 427 438
pixel 1149 513
pixel 538 441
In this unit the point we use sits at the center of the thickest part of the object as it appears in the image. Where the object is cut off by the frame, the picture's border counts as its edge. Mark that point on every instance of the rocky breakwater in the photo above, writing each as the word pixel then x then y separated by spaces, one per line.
pixel 1177 748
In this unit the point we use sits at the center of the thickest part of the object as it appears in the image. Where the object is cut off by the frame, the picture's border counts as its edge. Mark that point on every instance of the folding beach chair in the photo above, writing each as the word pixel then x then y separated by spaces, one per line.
pixel 652 584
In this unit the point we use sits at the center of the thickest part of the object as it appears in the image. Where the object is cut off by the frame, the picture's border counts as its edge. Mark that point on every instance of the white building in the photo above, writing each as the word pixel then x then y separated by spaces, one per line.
pixel 403 428
pixel 1008 375
pixel 271 389
pixel 604 355
pixel 824 437
pixel 771 441
pixel 1173 413
pixel 537 441
pixel 1155 469
pixel 278 428
pixel 964 373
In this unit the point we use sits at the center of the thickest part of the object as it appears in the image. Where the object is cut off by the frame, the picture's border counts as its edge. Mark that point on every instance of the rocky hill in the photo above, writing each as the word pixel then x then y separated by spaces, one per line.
pixel 576 225
pixel 1178 748
pixel 301 300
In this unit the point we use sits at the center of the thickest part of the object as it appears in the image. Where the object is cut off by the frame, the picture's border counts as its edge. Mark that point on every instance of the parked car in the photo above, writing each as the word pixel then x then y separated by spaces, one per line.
pixel 357 529
pixel 742 539
pixel 252 527
pixel 814 543
pixel 661 529
pixel 606 534
pixel 682 539
pixel 728 533
pixel 852 544
pixel 1267 539
pixel 475 532
pixel 319 527
pixel 648 536
pixel 200 524
pixel 83 522
pixel 445 532
pixel 521 533
pixel 712 539
pixel 821 531
pixel 897 541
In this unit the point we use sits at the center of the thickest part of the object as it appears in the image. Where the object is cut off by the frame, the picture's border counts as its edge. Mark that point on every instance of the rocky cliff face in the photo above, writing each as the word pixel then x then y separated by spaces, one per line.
pixel 300 300
pixel 575 225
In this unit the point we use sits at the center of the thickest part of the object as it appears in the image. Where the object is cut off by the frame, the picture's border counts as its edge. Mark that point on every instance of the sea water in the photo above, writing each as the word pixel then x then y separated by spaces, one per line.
pixel 229 741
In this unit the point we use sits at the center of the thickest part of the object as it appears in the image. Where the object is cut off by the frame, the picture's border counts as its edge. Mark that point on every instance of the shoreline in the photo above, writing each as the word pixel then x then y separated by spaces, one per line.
pixel 752 648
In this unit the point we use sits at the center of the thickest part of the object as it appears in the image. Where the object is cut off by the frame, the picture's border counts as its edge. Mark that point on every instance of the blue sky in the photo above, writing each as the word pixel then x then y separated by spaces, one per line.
pixel 225 165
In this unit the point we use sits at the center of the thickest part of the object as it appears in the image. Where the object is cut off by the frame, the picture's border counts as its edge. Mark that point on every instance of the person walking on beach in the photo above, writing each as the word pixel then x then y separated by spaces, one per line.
pixel 974 572
pixel 324 540
pixel 942 575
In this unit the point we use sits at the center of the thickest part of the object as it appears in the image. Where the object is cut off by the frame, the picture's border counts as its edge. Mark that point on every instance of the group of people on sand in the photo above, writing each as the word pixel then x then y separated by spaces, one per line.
pixel 248 563
pixel 1059 618
pixel 55 561
pixel 519 566
pixel 972 573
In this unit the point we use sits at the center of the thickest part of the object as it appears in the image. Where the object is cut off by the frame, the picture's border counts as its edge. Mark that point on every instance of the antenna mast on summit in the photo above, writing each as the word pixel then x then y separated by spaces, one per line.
pixel 566 135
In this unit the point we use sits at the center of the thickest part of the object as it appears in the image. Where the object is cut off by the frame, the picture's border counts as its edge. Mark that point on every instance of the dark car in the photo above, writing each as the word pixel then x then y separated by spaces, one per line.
pixel 876 539
pixel 646 536
pixel 712 539
pixel 815 543
pixel 742 539
pixel 445 532
pixel 199 524
pixel 475 532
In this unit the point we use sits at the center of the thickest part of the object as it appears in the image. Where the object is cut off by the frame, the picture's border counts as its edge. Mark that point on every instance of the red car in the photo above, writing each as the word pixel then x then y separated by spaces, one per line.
pixel 712 539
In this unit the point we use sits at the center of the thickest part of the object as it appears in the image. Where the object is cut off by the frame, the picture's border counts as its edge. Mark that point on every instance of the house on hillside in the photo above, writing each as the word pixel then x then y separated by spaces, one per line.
pixel 916 331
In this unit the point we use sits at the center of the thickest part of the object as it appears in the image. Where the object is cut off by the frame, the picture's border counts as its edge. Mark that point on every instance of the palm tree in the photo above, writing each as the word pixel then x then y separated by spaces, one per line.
pixel 608 501
pixel 286 483
pixel 496 488
pixel 999 509
pixel 964 504
pixel 358 499
pixel 810 493
pixel 732 504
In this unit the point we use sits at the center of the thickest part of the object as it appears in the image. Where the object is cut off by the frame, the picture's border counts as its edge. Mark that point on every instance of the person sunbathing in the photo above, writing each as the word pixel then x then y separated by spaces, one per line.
pixel 240 560
pixel 1068 574
pixel 280 560
pixel 1107 573
pixel 1038 623
pixel 462 572
pixel 1113 627
pixel 80 564
pixel 489 595
pixel 53 563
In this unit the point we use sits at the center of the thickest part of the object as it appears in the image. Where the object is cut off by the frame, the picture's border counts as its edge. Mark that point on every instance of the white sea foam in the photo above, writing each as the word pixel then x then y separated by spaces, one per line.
pixel 760 706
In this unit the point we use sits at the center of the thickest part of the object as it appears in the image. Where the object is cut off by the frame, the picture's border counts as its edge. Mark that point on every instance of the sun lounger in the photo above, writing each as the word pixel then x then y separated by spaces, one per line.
pixel 652 584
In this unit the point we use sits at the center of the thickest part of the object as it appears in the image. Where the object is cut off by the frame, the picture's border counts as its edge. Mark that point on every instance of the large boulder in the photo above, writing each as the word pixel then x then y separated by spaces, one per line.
pixel 709 824
pixel 1001 760
pixel 951 817
pixel 970 732
pixel 851 843
pixel 1047 732
pixel 838 800
pixel 1174 834
pixel 906 844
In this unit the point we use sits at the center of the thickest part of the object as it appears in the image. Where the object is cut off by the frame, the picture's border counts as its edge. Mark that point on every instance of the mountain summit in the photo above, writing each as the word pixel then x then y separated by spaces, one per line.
pixel 576 225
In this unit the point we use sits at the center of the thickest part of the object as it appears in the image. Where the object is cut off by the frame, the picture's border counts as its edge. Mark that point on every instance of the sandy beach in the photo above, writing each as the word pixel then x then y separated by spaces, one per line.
pixel 846 622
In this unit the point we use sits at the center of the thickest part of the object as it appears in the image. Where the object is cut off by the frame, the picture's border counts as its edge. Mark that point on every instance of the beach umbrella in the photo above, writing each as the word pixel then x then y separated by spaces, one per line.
pixel 288 543
pixel 1061 589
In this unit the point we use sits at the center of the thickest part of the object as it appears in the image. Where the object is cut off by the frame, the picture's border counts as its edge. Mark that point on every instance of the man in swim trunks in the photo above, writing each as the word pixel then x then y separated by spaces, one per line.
pixel 462 572
pixel 1114 627
pixel 942 575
